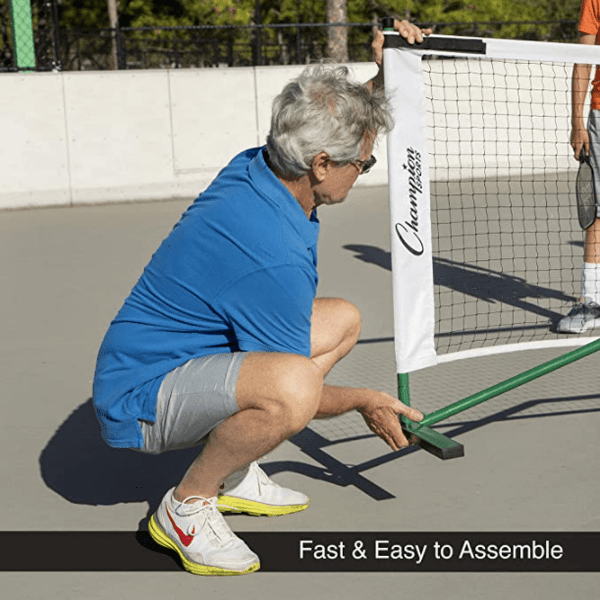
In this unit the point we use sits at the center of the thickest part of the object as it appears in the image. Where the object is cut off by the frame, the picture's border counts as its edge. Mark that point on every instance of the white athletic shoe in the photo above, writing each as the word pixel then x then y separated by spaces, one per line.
pixel 199 534
pixel 251 491
pixel 583 316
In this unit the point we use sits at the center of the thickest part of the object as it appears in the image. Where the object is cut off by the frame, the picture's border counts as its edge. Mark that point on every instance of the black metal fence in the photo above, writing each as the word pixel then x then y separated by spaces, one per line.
pixel 219 46
pixel 210 46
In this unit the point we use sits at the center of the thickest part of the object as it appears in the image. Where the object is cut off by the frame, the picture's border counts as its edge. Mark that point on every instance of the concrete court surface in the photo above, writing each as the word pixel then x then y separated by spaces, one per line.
pixel 531 455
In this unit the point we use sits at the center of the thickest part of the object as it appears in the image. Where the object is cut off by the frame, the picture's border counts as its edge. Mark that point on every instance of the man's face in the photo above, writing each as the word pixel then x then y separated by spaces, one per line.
pixel 339 179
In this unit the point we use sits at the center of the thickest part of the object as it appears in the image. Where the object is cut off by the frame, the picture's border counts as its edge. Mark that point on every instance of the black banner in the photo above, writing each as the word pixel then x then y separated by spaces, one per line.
pixel 316 552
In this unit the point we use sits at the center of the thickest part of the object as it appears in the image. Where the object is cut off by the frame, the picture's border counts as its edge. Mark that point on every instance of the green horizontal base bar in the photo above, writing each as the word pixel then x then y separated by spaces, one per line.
pixel 437 444
pixel 510 384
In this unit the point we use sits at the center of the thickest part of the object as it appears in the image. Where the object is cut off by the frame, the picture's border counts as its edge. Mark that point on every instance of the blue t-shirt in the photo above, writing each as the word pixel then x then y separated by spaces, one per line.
pixel 237 273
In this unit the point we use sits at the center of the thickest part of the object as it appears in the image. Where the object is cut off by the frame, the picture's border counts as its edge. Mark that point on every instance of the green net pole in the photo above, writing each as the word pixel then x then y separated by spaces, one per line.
pixel 509 384
pixel 20 12
pixel 404 392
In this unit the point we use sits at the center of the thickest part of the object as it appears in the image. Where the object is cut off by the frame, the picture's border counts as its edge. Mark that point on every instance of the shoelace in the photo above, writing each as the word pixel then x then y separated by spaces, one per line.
pixel 206 513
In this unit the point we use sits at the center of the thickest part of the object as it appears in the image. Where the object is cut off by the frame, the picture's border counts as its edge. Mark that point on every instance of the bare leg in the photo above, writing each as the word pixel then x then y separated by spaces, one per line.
pixel 278 395
pixel 592 243
pixel 336 327
pixel 335 330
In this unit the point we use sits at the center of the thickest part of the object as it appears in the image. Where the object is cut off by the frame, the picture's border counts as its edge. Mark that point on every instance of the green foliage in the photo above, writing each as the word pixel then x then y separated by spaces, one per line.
pixel 487 11
pixel 293 11
pixel 189 47
pixel 144 13
pixel 444 11
pixel 149 13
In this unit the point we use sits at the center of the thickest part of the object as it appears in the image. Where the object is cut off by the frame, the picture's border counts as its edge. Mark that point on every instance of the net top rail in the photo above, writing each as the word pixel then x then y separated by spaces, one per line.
pixel 457 46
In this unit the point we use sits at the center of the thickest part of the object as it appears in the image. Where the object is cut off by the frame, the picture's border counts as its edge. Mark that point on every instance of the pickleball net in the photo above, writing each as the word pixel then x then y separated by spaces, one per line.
pixel 486 246
pixel 507 249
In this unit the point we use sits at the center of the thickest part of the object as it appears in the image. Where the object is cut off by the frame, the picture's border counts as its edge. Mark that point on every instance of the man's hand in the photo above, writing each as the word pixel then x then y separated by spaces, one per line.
pixel 407 30
pixel 381 412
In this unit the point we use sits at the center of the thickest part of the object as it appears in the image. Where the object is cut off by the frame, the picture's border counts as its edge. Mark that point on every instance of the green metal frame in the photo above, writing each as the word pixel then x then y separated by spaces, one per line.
pixel 22 24
pixel 444 447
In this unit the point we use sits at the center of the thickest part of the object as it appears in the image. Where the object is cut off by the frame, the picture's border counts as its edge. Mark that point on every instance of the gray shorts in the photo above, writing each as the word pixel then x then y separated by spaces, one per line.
pixel 192 400
pixel 594 132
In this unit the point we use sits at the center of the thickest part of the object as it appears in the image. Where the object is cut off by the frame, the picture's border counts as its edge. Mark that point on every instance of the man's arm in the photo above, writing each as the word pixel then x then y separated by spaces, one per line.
pixel 334 332
pixel 581 81
pixel 379 410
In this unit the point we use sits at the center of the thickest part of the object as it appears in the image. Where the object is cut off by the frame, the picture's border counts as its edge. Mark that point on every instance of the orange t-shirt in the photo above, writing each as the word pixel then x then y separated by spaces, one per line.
pixel 589 22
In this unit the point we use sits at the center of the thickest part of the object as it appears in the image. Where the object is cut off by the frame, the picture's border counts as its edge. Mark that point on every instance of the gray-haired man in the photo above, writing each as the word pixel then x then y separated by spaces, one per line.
pixel 222 340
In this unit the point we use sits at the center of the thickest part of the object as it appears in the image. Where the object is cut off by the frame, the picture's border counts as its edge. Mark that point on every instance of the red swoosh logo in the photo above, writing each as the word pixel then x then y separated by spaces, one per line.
pixel 186 540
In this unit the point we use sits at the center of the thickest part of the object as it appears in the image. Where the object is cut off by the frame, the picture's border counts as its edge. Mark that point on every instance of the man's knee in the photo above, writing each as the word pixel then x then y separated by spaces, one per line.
pixel 300 388
pixel 287 387
pixel 351 316
pixel 348 319
pixel 334 321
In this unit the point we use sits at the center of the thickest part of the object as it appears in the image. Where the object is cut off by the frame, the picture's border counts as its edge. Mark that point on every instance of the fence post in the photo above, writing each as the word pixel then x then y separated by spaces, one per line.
pixel 299 57
pixel 121 50
pixel 20 13
pixel 257 48
pixel 57 63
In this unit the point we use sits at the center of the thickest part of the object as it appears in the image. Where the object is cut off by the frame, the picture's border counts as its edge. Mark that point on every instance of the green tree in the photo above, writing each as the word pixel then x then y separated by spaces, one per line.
pixel 469 11
pixel 284 44
pixel 150 13
pixel 156 47
pixel 140 13
pixel 559 10
pixel 445 11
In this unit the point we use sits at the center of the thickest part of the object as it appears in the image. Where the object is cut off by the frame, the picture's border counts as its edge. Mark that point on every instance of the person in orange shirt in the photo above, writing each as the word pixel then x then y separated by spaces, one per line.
pixel 585 315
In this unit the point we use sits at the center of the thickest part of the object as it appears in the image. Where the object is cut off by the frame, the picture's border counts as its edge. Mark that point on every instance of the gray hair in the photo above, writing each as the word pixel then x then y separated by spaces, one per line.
pixel 323 111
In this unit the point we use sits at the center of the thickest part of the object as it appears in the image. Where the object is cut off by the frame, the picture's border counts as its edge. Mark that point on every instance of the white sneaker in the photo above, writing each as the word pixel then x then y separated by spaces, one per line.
pixel 201 537
pixel 584 316
pixel 251 491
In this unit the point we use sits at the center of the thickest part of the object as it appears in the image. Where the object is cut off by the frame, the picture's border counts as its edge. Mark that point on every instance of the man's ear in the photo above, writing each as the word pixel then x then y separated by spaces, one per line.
pixel 320 166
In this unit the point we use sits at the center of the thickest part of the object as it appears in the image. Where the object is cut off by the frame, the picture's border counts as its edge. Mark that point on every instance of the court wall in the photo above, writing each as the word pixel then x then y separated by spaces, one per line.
pixel 77 138
pixel 115 136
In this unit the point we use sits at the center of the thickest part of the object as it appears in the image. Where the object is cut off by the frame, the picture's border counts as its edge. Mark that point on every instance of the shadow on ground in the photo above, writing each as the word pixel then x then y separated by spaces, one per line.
pixel 475 281
pixel 79 466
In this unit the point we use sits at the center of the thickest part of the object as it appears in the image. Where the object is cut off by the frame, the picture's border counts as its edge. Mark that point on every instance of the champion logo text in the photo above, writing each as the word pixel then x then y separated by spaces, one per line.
pixel 408 232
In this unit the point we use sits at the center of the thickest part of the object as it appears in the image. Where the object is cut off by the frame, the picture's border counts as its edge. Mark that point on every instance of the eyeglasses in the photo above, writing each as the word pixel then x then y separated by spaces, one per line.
pixel 364 166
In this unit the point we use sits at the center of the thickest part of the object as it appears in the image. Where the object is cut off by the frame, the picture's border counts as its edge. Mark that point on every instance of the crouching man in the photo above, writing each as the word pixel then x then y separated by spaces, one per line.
pixel 222 341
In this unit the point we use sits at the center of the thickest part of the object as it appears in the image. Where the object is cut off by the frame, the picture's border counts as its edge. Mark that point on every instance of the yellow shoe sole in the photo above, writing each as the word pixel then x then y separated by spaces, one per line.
pixel 230 504
pixel 160 537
